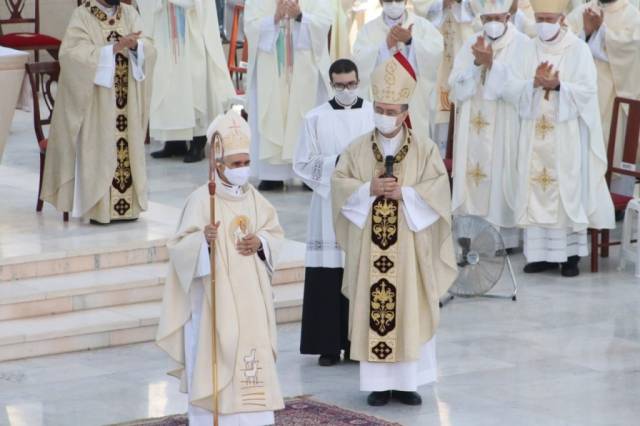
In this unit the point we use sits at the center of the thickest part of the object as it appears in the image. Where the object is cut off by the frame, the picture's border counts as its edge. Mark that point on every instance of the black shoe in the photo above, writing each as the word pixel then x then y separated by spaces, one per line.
pixel 271 185
pixel 328 360
pixel 307 187
pixel 407 398
pixel 171 149
pixel 570 267
pixel 378 399
pixel 196 150
pixel 537 267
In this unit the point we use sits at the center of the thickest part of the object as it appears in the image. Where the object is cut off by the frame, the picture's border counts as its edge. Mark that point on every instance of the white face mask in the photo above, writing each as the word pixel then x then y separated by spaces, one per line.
pixel 238 176
pixel 394 9
pixel 384 123
pixel 494 29
pixel 547 31
pixel 347 97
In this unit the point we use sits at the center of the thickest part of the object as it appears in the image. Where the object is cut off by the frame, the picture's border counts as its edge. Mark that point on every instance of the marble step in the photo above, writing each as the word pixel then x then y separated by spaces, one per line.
pixel 80 291
pixel 82 260
pixel 109 326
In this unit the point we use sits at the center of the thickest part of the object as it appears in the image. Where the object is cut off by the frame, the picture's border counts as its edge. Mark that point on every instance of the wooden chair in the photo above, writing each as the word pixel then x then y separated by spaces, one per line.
pixel 237 70
pixel 600 239
pixel 48 73
pixel 30 41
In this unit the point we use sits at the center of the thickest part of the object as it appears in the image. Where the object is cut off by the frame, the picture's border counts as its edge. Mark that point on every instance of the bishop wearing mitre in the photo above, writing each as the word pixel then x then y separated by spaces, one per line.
pixel 287 77
pixel 561 189
pixel 192 84
pixel 400 31
pixel 612 31
pixel 392 216
pixel 95 166
pixel 247 238
pixel 487 127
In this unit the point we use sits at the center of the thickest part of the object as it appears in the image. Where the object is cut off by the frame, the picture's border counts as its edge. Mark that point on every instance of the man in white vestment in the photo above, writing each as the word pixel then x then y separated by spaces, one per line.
pixel 287 77
pixel 328 130
pixel 561 189
pixel 192 84
pixel 392 215
pixel 247 238
pixel 487 127
pixel 398 30
pixel 612 31
pixel 454 19
pixel 95 166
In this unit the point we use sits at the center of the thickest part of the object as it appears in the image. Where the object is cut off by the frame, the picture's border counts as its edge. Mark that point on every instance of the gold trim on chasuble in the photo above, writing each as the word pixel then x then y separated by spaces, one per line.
pixel 252 392
pixel 121 189
pixel 382 271
pixel 448 35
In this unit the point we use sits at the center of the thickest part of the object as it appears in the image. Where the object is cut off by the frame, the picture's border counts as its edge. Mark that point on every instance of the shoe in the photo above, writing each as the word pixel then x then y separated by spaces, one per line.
pixel 407 398
pixel 171 149
pixel 328 360
pixel 307 187
pixel 537 267
pixel 378 399
pixel 570 267
pixel 271 185
pixel 196 150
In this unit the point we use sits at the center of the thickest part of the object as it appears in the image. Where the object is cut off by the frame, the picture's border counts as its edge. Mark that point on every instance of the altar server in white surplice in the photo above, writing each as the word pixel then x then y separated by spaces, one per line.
pixel 487 127
pixel 328 130
pixel 561 190
pixel 398 30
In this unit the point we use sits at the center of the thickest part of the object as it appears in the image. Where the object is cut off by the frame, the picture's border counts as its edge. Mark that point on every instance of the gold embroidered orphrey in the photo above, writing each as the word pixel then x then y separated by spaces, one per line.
pixel 383 271
pixel 544 126
pixel 252 388
pixel 544 179
pixel 121 190
pixel 476 174
pixel 479 123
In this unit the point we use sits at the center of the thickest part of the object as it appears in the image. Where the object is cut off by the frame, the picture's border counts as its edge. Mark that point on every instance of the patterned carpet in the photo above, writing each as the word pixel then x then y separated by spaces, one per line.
pixel 297 412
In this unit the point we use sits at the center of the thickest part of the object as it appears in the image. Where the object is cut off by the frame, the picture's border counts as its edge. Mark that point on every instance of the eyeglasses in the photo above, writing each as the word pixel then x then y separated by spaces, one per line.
pixel 340 87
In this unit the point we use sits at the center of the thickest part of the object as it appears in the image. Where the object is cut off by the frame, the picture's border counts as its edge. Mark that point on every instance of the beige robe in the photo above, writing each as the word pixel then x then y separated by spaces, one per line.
pixel 277 114
pixel 424 54
pixel 245 314
pixel 105 128
pixel 397 319
pixel 340 45
pixel 619 75
pixel 201 86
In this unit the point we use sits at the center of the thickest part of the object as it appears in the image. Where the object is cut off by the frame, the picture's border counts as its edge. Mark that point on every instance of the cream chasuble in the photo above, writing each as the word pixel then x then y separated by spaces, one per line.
pixel 95 163
pixel 287 77
pixel 192 84
pixel 424 53
pixel 486 136
pixel 456 26
pixel 561 153
pixel 340 45
pixel 398 263
pixel 248 382
pixel 616 51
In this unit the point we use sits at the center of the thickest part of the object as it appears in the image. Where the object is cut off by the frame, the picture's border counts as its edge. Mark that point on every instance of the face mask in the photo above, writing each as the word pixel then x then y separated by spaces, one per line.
pixel 547 31
pixel 384 123
pixel 394 9
pixel 112 2
pixel 238 176
pixel 347 97
pixel 494 29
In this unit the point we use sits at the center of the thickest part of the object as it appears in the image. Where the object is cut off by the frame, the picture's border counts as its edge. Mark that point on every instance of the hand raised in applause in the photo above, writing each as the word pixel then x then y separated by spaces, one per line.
pixel 130 41
pixel 403 35
pixel 482 52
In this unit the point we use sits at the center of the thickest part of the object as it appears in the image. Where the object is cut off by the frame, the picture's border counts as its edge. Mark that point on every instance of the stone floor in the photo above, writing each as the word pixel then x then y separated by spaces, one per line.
pixel 567 353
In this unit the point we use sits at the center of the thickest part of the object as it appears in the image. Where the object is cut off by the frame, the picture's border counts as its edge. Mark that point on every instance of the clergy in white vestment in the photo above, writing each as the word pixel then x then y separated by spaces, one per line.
pixel 192 84
pixel 287 77
pixel 95 165
pixel 392 215
pixel 398 30
pixel 561 189
pixel 523 18
pixel 487 127
pixel 612 31
pixel 454 19
pixel 247 238
pixel 340 45
pixel 328 130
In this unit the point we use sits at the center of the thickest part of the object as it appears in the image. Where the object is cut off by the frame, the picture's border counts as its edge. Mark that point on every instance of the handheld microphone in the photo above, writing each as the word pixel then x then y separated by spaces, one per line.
pixel 388 166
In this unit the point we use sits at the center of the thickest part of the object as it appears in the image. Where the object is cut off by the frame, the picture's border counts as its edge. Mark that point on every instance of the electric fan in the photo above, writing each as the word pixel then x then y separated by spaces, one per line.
pixel 481 258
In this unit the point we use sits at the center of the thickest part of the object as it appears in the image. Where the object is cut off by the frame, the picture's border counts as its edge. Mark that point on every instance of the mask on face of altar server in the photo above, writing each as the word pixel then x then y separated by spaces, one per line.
pixel 393 9
pixel 347 96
